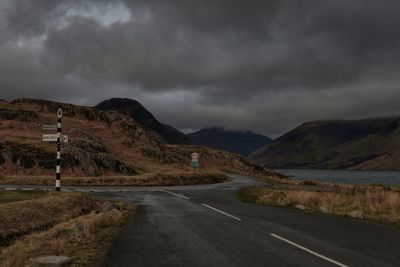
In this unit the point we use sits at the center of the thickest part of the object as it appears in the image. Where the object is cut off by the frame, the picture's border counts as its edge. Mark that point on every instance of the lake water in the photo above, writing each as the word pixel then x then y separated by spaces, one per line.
pixel 346 176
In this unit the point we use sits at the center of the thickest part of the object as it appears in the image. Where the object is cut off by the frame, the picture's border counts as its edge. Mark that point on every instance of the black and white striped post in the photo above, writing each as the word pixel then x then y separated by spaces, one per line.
pixel 58 165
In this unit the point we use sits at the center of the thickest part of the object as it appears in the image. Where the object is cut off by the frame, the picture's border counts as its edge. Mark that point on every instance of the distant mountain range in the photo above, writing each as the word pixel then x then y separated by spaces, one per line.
pixel 163 133
pixel 371 144
pixel 104 142
pixel 240 142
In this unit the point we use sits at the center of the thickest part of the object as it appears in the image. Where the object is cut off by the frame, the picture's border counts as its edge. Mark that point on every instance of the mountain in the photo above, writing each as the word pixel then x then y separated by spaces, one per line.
pixel 377 151
pixel 163 133
pixel 241 142
pixel 101 143
pixel 370 144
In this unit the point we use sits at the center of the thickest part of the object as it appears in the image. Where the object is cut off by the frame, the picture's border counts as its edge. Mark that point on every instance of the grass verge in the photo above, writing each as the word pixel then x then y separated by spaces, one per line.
pixel 68 224
pixel 362 202
pixel 13 196
pixel 153 179
pixel 22 217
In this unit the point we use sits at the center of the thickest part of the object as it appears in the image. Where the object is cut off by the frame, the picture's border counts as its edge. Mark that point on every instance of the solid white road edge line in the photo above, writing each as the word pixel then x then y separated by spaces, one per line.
pixel 309 251
pixel 222 212
pixel 177 195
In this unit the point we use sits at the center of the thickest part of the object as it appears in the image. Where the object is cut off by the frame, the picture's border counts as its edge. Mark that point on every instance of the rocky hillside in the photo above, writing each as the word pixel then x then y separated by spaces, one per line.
pixel 100 143
pixel 241 142
pixel 163 133
pixel 371 144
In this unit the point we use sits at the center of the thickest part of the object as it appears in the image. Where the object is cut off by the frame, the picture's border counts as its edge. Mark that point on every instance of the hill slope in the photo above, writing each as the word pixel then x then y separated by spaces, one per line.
pixel 333 144
pixel 377 151
pixel 101 143
pixel 235 141
pixel 163 133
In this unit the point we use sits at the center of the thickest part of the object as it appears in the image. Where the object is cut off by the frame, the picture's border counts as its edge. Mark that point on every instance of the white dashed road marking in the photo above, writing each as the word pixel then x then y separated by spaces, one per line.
pixel 177 195
pixel 309 251
pixel 222 212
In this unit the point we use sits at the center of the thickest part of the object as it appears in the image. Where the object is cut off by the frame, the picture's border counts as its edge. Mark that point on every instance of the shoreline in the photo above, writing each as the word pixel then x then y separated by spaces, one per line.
pixel 344 176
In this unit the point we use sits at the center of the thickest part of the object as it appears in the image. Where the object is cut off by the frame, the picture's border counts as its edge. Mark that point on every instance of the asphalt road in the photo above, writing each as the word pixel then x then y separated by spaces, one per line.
pixel 208 225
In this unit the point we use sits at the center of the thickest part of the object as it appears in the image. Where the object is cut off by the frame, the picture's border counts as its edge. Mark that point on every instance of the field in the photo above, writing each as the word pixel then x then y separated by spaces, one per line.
pixel 42 223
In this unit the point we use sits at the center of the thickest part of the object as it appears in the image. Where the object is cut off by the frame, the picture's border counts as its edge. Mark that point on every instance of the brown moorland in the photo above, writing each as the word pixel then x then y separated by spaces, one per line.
pixel 102 144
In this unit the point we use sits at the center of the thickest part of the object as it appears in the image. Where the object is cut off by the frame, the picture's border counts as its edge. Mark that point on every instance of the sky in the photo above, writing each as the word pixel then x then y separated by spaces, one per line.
pixel 264 66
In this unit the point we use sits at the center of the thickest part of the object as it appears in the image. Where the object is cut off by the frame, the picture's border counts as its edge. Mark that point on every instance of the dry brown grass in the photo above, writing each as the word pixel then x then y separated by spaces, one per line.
pixel 57 246
pixel 87 247
pixel 375 202
pixel 15 257
pixel 22 217
pixel 14 196
pixel 166 178
pixel 84 236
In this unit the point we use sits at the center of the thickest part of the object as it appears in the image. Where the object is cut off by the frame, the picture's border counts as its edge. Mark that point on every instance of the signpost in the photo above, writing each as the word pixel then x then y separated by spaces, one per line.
pixel 59 138
pixel 195 160
pixel 58 165
pixel 54 137
pixel 47 127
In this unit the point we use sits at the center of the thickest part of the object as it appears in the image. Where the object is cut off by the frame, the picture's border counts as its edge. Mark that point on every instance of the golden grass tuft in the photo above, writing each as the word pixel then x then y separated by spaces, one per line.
pixel 375 202
pixel 15 256
pixel 57 246
pixel 22 217
pixel 85 238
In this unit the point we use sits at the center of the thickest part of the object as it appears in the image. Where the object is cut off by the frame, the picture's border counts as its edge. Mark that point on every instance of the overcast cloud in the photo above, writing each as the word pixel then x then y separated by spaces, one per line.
pixel 265 66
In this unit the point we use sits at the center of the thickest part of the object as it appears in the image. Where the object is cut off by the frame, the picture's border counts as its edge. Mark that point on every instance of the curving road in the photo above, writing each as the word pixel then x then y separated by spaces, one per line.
pixel 208 225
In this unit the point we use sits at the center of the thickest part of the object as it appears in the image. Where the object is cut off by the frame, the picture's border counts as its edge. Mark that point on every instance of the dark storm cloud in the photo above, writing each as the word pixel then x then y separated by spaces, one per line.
pixel 260 65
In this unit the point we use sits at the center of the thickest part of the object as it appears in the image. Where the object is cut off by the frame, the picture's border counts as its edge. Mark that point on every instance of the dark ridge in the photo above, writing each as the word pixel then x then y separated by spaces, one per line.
pixel 241 142
pixel 163 133
pixel 327 144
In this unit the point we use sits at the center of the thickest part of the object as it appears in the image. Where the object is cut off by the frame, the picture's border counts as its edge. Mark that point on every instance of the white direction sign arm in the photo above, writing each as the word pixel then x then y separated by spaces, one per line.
pixel 47 127
pixel 53 138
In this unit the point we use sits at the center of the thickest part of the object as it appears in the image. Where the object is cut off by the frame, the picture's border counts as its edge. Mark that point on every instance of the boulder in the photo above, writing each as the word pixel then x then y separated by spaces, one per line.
pixel 109 162
pixel 323 209
pixel 80 227
pixel 108 206
pixel 300 207
pixel 114 214
pixel 52 261
pixel 356 214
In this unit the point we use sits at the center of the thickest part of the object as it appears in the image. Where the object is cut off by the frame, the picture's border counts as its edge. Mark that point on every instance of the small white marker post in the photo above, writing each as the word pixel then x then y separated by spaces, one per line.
pixel 59 138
